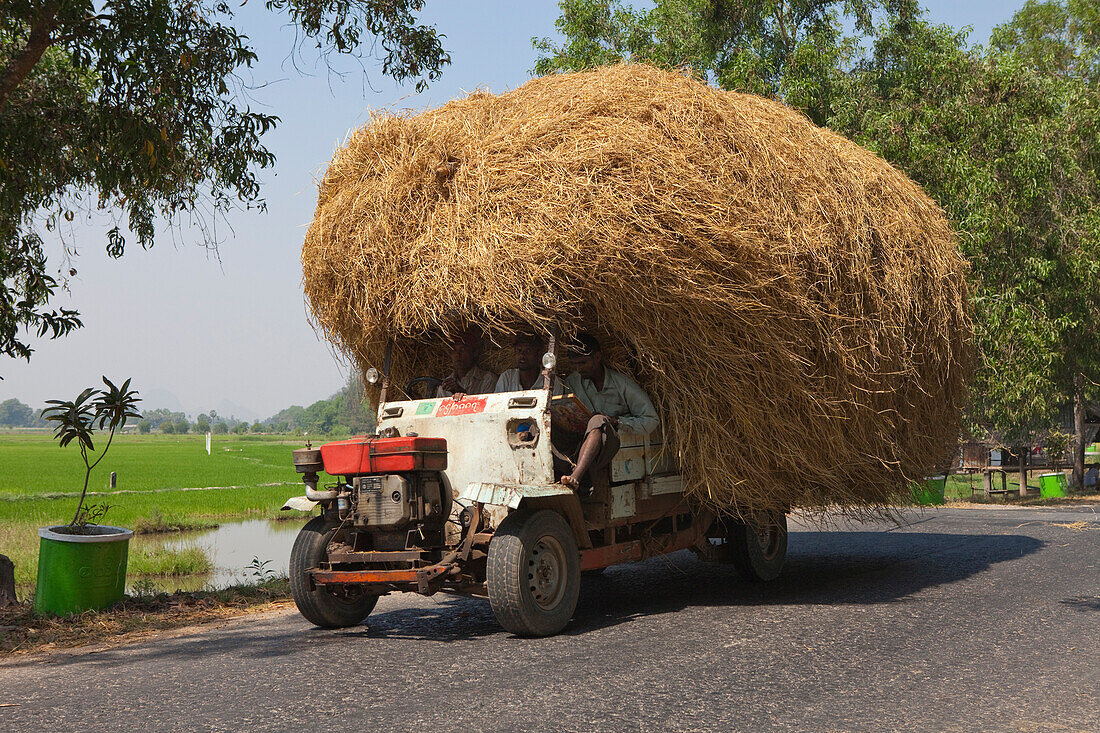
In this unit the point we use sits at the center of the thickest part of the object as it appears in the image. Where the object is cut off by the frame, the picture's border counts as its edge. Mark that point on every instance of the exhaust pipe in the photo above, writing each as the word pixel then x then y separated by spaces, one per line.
pixel 308 462
pixel 310 480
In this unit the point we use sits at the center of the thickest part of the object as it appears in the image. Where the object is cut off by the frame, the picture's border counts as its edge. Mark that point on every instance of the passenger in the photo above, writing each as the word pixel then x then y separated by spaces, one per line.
pixel 467 377
pixel 617 403
pixel 527 374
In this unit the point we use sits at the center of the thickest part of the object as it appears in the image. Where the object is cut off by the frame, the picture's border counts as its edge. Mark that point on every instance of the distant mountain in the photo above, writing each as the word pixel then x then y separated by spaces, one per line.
pixel 156 398
pixel 228 408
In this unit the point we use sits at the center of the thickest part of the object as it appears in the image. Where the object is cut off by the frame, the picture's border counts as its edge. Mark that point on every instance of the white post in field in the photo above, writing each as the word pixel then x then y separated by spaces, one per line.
pixel 208 444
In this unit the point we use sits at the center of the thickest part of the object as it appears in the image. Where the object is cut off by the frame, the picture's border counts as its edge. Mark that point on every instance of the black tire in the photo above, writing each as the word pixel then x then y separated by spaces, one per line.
pixel 533 573
pixel 758 547
pixel 329 609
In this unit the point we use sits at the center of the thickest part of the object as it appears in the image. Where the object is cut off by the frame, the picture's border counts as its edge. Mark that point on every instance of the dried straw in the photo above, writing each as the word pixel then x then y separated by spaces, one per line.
pixel 796 307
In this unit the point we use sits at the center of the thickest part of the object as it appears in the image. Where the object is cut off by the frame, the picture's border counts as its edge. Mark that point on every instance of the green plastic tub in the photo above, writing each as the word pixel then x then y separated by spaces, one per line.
pixel 1053 485
pixel 929 492
pixel 80 572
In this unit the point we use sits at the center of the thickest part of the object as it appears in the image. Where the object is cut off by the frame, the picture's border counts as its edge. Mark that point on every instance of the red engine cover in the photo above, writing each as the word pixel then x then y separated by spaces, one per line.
pixel 363 455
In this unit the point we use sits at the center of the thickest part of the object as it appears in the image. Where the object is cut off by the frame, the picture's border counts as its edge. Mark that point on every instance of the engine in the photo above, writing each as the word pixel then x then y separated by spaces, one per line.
pixel 392 491
pixel 394 501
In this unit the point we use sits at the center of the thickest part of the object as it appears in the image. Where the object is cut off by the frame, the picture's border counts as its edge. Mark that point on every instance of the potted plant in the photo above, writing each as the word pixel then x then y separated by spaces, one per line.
pixel 82 564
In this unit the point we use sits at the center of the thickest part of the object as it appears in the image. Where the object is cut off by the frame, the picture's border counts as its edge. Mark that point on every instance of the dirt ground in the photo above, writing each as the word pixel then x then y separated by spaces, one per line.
pixel 135 618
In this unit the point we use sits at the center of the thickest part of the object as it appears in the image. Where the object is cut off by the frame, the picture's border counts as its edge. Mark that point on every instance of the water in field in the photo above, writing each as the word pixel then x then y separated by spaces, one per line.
pixel 231 548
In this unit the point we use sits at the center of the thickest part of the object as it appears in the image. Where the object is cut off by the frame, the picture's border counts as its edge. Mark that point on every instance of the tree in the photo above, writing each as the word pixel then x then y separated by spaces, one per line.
pixel 202 425
pixel 160 416
pixel 182 426
pixel 138 107
pixel 145 425
pixel 14 413
pixel 794 50
pixel 357 412
pixel 348 411
pixel 1008 142
pixel 220 428
pixel 77 419
pixel 168 427
pixel 257 427
pixel 1061 41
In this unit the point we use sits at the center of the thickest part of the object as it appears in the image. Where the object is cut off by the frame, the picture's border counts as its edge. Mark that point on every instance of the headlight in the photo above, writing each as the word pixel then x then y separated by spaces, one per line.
pixel 549 361
pixel 372 375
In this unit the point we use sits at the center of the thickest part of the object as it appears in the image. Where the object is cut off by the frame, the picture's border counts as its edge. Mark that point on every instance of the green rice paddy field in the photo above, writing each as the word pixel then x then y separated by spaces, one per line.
pixel 165 482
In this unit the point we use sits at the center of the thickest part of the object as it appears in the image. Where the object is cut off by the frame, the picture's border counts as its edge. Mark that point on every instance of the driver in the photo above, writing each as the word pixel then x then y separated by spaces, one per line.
pixel 467 377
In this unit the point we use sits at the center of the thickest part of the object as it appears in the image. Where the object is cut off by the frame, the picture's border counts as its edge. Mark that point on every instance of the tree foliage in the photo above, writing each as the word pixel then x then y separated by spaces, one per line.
pixel 1007 140
pixel 346 412
pixel 14 413
pixel 793 50
pixel 137 108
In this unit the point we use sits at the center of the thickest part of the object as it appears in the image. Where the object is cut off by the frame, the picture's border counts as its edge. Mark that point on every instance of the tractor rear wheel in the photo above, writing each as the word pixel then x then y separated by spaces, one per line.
pixel 758 547
pixel 330 607
pixel 533 573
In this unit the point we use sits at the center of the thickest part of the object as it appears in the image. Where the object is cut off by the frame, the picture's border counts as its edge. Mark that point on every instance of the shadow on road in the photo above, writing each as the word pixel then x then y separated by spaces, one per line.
pixel 1082 603
pixel 823 568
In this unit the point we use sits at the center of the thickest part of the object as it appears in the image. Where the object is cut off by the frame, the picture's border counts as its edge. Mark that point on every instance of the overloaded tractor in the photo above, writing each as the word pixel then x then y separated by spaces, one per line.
pixel 464 495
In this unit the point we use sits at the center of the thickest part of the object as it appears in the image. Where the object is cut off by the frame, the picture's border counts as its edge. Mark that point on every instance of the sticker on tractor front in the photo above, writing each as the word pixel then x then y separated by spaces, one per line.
pixel 425 408
pixel 468 406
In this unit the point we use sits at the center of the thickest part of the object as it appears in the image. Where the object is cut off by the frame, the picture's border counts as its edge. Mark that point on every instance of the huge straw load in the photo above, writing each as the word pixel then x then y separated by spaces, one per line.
pixel 795 306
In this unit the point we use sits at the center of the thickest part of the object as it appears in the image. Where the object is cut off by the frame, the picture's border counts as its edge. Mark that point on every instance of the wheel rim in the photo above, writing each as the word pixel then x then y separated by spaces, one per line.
pixel 768 538
pixel 546 569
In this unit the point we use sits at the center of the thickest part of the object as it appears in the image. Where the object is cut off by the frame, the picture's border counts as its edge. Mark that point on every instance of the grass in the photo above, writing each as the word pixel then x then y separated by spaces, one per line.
pixel 179 508
pixel 148 562
pixel 35 466
pixel 163 486
pixel 149 511
pixel 19 541
pixel 24 632
pixel 969 489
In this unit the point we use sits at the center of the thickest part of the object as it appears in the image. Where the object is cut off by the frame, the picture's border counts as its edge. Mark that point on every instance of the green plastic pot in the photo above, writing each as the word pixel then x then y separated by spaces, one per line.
pixel 1053 485
pixel 80 572
pixel 929 492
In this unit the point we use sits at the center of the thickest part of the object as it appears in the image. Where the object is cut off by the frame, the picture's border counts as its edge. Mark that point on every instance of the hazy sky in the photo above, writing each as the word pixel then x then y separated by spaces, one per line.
pixel 179 321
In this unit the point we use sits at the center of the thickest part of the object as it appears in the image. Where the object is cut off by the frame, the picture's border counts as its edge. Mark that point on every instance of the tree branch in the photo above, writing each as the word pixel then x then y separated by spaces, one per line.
pixel 37 43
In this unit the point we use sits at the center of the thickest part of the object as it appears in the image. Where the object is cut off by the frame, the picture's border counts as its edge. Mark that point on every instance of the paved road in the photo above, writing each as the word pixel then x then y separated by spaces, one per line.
pixel 963 620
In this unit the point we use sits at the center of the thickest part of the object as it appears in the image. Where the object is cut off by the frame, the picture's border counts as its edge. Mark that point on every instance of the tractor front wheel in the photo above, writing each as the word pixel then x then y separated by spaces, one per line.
pixel 330 607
